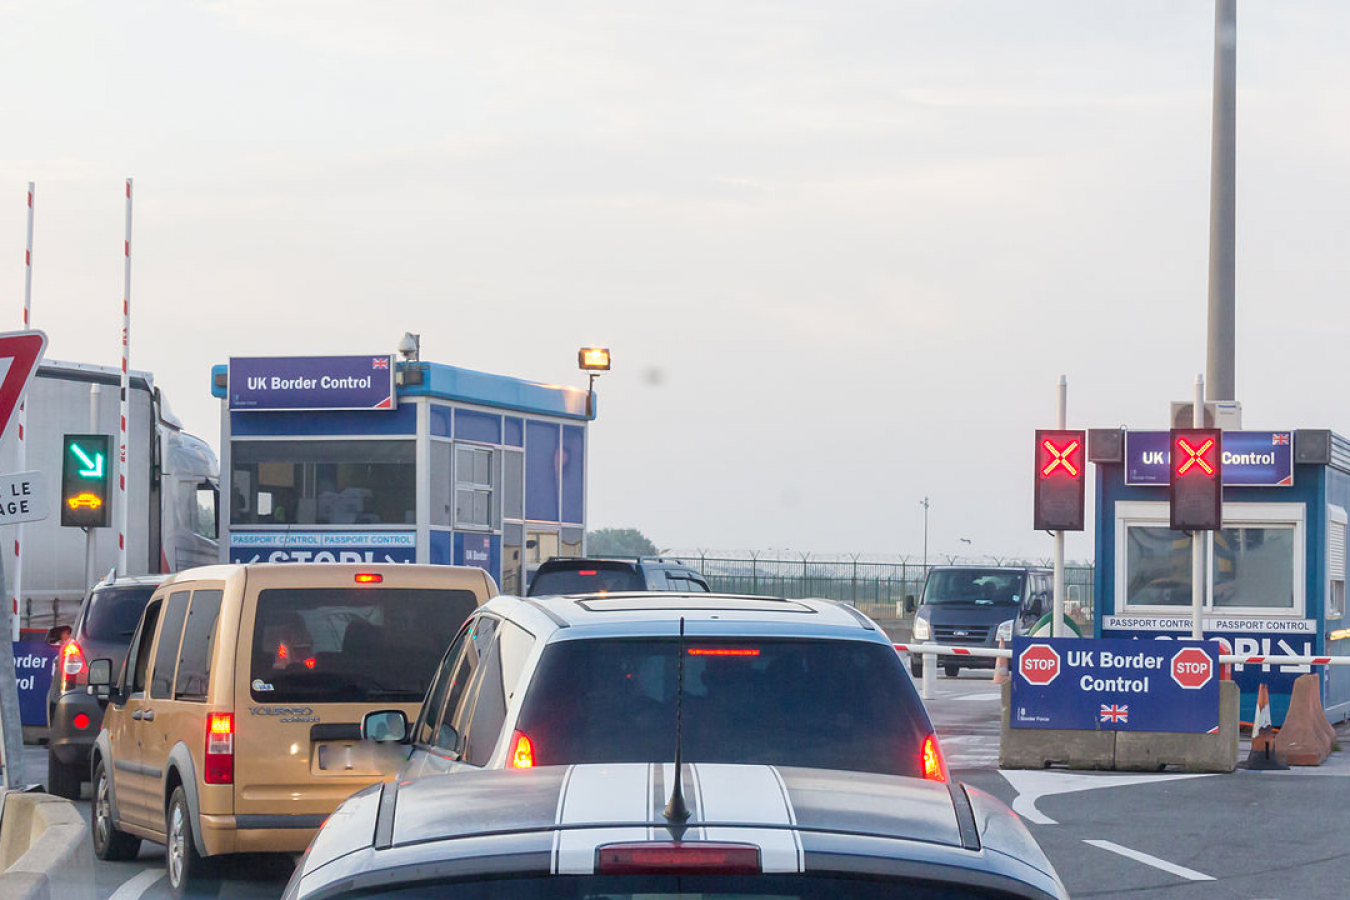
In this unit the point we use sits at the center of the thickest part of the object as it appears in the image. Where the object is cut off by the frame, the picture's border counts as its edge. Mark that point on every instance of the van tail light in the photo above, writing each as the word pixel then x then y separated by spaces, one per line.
pixel 522 751
pixel 934 767
pixel 73 670
pixel 664 857
pixel 369 578
pixel 219 748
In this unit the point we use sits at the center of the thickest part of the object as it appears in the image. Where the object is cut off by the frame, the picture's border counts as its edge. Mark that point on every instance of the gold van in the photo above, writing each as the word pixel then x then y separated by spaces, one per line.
pixel 234 726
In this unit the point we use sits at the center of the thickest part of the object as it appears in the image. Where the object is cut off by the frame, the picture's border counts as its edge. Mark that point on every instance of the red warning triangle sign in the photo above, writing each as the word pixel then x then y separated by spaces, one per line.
pixel 20 353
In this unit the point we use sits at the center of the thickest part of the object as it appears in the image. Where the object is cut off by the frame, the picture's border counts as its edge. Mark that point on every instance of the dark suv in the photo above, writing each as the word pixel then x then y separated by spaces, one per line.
pixel 593 575
pixel 103 629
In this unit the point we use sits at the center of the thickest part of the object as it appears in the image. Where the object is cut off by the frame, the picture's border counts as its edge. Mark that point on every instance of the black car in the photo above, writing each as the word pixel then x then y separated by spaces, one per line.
pixel 594 575
pixel 102 629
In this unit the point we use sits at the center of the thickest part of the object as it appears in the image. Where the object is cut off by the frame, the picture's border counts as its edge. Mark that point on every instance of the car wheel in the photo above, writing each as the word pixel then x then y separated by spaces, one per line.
pixel 189 873
pixel 109 843
pixel 951 670
pixel 916 668
pixel 63 780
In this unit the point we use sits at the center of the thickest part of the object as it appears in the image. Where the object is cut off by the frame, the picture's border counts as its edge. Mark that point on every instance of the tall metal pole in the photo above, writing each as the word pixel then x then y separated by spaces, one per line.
pixel 924 504
pixel 1057 628
pixel 122 504
pixel 23 416
pixel 1219 362
pixel 94 391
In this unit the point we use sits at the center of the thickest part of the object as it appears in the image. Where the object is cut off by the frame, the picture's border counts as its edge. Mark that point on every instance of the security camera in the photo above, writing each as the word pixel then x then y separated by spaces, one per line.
pixel 410 346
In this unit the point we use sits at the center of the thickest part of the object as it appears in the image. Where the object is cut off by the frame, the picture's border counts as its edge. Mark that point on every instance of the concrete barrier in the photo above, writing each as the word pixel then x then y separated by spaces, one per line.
pixel 1036 748
pixel 45 851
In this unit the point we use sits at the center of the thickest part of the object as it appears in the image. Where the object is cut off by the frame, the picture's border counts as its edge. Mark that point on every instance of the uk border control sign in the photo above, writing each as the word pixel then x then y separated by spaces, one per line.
pixel 1082 684
pixel 311 383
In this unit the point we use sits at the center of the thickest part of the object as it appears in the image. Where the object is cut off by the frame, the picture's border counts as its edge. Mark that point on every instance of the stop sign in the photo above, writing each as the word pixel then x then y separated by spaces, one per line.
pixel 1039 664
pixel 1192 668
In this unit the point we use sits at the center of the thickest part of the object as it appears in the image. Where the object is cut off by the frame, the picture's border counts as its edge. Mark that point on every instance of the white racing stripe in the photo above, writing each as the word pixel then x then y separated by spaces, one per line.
pixel 1137 856
pixel 750 794
pixel 599 793
pixel 137 884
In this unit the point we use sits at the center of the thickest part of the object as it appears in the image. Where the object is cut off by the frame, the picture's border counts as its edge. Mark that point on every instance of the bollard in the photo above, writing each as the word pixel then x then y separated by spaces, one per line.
pixel 929 673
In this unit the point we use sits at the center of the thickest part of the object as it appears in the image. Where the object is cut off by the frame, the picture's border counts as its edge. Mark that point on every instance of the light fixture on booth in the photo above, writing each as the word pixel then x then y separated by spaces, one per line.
pixel 593 360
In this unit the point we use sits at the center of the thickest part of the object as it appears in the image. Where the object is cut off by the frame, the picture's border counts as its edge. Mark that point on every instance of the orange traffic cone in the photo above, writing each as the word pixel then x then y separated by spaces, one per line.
pixel 1262 756
pixel 1000 668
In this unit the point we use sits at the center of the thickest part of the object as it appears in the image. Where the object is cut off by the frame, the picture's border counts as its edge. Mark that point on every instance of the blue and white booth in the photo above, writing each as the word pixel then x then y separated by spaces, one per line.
pixel 364 459
pixel 1276 571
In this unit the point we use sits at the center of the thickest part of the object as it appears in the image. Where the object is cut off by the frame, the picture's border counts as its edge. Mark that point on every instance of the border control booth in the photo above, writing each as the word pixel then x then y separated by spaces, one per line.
pixel 365 459
pixel 1275 572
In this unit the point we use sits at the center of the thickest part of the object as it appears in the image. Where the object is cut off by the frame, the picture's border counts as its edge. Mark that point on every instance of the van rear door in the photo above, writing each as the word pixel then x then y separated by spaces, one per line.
pixel 312 661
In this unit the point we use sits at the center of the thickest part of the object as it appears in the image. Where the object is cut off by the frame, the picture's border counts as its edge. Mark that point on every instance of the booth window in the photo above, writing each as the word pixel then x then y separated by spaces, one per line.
pixel 473 487
pixel 1336 520
pixel 1157 566
pixel 323 483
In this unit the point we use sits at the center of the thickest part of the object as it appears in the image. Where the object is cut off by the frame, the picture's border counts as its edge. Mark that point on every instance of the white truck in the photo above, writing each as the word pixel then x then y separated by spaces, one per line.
pixel 172 489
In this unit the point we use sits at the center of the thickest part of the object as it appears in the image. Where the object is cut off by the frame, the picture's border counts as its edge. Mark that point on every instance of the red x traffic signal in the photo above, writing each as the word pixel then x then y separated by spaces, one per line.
pixel 1196 489
pixel 1060 472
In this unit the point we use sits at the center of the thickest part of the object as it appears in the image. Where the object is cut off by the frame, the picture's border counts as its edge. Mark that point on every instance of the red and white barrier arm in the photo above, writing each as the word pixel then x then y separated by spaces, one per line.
pixel 1225 659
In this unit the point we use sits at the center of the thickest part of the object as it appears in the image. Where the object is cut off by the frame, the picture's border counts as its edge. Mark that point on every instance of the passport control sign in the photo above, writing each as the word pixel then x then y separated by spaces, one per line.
pixel 1081 684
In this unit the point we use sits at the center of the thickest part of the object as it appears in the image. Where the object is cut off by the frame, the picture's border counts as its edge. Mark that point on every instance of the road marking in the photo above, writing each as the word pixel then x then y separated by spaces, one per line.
pixel 1032 784
pixel 1181 871
pixel 137 884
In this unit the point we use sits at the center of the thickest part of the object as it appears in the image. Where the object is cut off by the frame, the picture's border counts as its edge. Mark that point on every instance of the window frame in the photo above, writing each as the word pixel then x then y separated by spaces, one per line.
pixel 1155 514
pixel 161 648
pixel 1334 608
pixel 133 657
pixel 494 462
pixel 211 638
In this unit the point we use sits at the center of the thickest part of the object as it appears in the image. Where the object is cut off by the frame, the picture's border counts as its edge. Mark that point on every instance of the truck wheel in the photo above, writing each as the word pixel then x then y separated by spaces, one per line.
pixel 109 843
pixel 916 668
pixel 951 670
pixel 190 874
pixel 63 780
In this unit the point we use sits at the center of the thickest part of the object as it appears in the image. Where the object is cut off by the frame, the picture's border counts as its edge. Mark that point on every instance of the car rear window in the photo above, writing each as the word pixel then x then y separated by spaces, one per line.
pixel 114 611
pixel 317 645
pixel 826 704
pixel 587 578
pixel 690 887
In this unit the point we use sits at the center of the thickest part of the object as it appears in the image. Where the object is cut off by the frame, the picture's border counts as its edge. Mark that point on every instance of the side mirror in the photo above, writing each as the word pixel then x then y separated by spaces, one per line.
pixel 58 635
pixel 100 678
pixel 384 726
pixel 909 603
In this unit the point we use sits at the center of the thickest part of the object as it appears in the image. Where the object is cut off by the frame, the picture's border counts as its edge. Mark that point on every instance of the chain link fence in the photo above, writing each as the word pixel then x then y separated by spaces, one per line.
pixel 878 588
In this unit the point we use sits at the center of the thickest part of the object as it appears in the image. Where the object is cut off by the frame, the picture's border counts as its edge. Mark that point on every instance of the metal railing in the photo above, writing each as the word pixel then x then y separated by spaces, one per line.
pixel 877 587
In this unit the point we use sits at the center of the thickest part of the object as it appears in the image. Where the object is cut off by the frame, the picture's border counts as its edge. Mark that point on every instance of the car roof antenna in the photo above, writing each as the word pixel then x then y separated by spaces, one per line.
pixel 677 813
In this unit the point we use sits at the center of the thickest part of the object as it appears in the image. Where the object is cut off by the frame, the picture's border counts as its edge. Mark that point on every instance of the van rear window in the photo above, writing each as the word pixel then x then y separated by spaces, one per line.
pixel 586 578
pixel 327 645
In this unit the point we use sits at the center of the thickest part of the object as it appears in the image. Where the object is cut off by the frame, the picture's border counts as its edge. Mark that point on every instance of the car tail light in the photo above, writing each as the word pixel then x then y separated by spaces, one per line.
pixel 72 665
pixel 81 721
pixel 522 751
pixel 934 768
pixel 369 578
pixel 220 748
pixel 723 651
pixel 659 857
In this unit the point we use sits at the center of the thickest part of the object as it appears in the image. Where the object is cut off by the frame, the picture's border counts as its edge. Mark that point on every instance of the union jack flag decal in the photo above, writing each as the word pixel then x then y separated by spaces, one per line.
pixel 380 362
pixel 1277 439
pixel 1116 712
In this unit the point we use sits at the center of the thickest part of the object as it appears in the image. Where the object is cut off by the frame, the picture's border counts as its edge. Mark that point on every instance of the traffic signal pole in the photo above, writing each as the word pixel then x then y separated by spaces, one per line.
pixel 94 391
pixel 1198 538
pixel 1057 626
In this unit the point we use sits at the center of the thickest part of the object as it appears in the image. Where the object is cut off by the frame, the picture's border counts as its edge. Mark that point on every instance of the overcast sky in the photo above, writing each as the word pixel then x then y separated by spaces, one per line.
pixel 841 251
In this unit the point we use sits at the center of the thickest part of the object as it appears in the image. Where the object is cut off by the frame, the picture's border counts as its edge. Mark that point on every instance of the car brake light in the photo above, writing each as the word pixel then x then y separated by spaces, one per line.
pixel 81 721
pixel 934 768
pixel 219 748
pixel 311 663
pixel 369 578
pixel 660 857
pixel 522 751
pixel 72 665
pixel 723 651
pixel 588 571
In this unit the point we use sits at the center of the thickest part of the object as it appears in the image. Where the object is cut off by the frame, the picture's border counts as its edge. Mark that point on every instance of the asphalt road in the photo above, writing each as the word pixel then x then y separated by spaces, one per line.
pixel 1245 836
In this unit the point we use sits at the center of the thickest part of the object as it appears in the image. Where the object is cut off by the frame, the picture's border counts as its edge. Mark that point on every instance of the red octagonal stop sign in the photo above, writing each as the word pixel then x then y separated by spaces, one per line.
pixel 1039 664
pixel 1192 668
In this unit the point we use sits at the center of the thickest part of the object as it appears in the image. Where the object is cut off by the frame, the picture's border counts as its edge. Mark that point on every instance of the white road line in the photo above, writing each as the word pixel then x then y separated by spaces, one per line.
pixel 1173 868
pixel 1032 784
pixel 137 884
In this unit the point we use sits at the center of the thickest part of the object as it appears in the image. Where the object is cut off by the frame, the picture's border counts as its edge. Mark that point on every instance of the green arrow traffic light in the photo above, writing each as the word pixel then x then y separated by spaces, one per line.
pixel 93 468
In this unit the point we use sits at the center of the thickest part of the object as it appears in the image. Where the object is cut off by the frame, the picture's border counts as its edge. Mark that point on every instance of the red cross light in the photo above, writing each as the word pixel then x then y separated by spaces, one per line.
pixel 1060 458
pixel 1194 457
